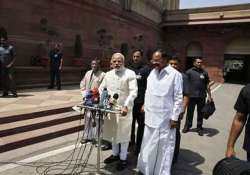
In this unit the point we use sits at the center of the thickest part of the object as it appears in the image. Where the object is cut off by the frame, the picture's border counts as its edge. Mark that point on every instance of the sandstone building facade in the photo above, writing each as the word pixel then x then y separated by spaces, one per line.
pixel 219 34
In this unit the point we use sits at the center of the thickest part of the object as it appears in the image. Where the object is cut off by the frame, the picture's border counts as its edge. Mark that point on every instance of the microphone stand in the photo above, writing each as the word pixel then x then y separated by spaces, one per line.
pixel 99 114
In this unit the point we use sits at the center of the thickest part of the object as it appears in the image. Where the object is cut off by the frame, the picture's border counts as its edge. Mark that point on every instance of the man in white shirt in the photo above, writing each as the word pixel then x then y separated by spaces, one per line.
pixel 163 105
pixel 117 127
pixel 92 79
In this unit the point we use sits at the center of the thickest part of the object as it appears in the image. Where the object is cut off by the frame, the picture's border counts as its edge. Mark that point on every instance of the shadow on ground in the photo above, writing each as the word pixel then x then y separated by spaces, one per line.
pixel 187 163
pixel 209 132
pixel 131 170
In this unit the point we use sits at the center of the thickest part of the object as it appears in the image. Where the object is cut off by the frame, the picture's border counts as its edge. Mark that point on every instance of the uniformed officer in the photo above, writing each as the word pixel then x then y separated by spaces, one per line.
pixel 142 71
pixel 7 58
pixel 56 60
pixel 198 91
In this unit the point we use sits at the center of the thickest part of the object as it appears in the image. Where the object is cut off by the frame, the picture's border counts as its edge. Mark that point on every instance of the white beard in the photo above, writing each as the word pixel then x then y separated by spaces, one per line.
pixel 118 70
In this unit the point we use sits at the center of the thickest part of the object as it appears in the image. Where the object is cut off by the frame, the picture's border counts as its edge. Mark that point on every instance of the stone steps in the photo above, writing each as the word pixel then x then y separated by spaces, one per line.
pixel 25 129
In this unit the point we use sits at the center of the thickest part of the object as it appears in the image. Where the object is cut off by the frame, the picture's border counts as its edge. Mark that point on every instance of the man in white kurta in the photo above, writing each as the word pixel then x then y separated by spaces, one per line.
pixel 162 106
pixel 117 127
pixel 91 80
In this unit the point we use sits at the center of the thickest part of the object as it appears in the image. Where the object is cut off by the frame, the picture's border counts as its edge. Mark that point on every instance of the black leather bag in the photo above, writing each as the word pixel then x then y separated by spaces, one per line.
pixel 208 109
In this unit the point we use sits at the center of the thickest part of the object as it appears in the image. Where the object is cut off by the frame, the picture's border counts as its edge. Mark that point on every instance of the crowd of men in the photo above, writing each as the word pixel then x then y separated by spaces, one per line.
pixel 153 96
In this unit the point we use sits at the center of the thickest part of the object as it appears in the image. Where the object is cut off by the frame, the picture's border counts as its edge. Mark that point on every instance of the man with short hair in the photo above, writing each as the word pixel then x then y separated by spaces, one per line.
pixel 198 92
pixel 175 63
pixel 241 119
pixel 117 127
pixel 92 79
pixel 7 59
pixel 162 106
pixel 142 71
pixel 56 60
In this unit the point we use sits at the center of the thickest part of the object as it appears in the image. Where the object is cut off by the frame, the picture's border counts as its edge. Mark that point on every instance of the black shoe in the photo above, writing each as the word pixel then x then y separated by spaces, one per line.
pixel 50 87
pixel 200 132
pixel 59 88
pixel 121 165
pixel 185 129
pixel 105 147
pixel 15 95
pixel 83 141
pixel 111 159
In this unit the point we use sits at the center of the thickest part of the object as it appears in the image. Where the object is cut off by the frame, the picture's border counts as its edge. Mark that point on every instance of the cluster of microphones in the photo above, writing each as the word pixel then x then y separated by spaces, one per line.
pixel 104 101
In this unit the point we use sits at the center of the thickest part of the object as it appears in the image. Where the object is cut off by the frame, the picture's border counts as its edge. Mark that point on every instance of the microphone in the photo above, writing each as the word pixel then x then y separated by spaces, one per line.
pixel 113 102
pixel 104 99
pixel 88 98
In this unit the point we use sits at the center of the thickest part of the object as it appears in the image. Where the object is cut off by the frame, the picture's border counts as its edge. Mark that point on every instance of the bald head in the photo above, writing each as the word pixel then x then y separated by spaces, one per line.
pixel 159 59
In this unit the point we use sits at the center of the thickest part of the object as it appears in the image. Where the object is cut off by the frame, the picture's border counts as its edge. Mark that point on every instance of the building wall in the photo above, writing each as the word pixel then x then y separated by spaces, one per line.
pixel 152 9
pixel 213 40
pixel 67 18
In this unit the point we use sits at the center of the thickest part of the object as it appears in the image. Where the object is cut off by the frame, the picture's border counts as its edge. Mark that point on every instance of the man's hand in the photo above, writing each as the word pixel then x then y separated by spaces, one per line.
pixel 142 109
pixel 124 111
pixel 230 153
pixel 60 68
pixel 173 124
pixel 9 65
pixel 209 98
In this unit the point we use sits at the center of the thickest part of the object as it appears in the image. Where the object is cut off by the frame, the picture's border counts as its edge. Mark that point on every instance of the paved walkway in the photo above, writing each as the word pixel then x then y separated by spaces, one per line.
pixel 39 98
pixel 198 155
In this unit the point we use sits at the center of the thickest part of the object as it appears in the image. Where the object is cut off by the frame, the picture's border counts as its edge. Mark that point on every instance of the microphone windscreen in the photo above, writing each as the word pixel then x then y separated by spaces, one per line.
pixel 116 96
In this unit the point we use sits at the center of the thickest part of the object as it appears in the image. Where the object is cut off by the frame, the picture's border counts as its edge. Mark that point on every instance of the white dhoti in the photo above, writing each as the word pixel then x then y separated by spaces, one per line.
pixel 157 151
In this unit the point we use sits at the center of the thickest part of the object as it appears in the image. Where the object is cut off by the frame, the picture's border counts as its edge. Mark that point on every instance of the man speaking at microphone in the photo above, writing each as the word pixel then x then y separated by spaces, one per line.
pixel 117 127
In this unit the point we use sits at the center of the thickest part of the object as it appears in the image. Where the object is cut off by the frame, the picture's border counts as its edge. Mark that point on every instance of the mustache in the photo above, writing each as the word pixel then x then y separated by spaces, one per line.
pixel 155 64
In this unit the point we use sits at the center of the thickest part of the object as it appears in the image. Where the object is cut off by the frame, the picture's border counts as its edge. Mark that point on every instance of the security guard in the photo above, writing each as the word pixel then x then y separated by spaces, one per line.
pixel 56 60
pixel 7 58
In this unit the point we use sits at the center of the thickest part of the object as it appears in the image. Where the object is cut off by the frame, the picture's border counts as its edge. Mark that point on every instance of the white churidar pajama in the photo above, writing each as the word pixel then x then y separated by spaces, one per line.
pixel 117 128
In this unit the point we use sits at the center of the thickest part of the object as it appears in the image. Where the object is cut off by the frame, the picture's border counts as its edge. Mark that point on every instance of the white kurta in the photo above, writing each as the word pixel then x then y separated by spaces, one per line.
pixel 117 128
pixel 163 102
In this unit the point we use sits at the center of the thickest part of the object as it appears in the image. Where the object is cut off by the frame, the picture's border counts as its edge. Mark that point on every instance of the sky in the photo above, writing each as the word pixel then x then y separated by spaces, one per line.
pixel 208 3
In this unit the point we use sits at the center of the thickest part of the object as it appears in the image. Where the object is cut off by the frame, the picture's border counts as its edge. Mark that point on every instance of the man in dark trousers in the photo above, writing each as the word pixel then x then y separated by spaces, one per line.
pixel 242 107
pixel 199 87
pixel 7 58
pixel 56 60
pixel 175 63
pixel 142 71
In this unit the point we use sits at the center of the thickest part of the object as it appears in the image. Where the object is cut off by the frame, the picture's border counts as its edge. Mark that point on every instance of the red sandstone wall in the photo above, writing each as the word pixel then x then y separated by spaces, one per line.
pixel 21 19
pixel 213 39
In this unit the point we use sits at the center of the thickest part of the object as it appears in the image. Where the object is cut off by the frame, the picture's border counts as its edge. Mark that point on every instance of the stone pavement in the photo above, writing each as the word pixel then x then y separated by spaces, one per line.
pixel 198 155
pixel 39 98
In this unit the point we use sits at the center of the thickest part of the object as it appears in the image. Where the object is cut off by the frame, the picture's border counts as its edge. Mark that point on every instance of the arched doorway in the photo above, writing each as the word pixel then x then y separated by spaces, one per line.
pixel 194 50
pixel 237 61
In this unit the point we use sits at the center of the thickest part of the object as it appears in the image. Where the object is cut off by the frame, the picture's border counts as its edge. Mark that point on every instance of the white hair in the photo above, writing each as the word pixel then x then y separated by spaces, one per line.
pixel 120 55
